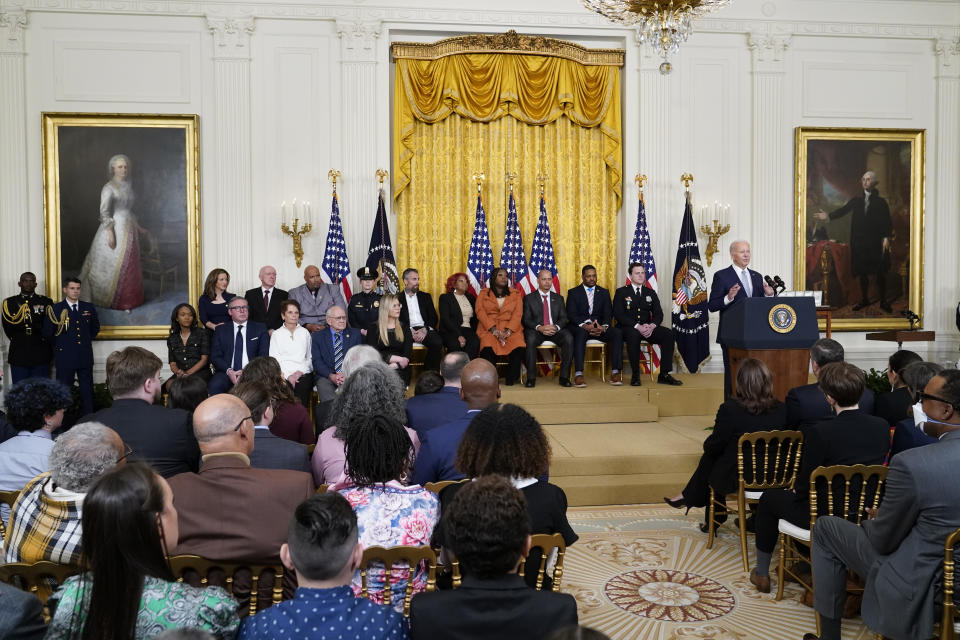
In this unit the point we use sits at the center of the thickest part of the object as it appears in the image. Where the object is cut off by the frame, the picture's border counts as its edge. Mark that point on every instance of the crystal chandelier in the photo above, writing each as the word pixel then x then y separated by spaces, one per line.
pixel 662 23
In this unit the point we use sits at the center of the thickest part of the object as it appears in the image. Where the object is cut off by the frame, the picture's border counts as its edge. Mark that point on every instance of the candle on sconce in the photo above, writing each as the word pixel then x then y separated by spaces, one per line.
pixel 308 214
pixel 726 214
pixel 283 212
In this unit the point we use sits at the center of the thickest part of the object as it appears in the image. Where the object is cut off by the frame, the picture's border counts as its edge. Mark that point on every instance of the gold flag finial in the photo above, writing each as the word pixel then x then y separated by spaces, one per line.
pixel 542 182
pixel 510 177
pixel 381 175
pixel 641 180
pixel 479 177
pixel 333 175
pixel 687 180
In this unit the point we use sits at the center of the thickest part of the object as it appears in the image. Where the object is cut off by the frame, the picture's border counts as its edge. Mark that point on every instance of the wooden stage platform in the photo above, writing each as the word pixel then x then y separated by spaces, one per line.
pixel 623 445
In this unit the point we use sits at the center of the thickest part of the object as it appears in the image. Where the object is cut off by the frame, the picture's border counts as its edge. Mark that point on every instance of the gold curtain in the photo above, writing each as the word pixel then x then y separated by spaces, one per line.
pixel 449 123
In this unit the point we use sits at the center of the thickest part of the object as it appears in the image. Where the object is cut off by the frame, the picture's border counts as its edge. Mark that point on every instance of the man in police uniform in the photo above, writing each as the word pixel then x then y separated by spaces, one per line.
pixel 638 314
pixel 71 325
pixel 365 304
pixel 30 354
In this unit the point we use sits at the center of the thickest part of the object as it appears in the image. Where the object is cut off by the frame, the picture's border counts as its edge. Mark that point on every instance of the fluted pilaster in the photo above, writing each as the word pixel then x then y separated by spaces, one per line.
pixel 14 204
pixel 942 208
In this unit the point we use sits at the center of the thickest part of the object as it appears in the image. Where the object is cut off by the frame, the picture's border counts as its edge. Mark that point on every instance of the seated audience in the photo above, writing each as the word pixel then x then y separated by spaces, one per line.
pixel 45 521
pixel 21 616
pixel 590 311
pixel 322 547
pixel 806 404
pixel 424 412
pixel 389 513
pixel 500 323
pixel 894 406
pixel 265 300
pixel 373 389
pixel 6 430
pixel 290 347
pixel 364 304
pixel 754 408
pixel 898 549
pixel 388 336
pixel 212 305
pixel 427 383
pixel 576 633
pixel 234 344
pixel 488 529
pixel 504 439
pixel 418 317
pixel 161 437
pixel 479 389
pixel 908 433
pixel 129 524
pixel 852 437
pixel 458 318
pixel 269 450
pixel 188 346
pixel 545 319
pixel 316 297
pixel 291 419
pixel 330 348
pixel 186 393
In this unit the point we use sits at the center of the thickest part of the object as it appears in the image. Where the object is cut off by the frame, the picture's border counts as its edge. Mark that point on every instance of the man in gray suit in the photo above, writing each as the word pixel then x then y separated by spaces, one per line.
pixel 899 550
pixel 269 451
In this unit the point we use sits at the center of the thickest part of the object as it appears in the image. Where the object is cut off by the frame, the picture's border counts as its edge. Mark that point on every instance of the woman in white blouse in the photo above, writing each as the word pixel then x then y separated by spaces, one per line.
pixel 290 346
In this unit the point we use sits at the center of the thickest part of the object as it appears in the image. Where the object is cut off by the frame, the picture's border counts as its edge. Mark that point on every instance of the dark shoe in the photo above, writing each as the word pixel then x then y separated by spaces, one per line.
pixel 749 525
pixel 666 378
pixel 811 636
pixel 677 504
pixel 635 380
pixel 863 304
pixel 509 382
pixel 565 382
pixel 578 382
pixel 720 519
pixel 530 384
pixel 886 306
pixel 762 583
pixel 616 379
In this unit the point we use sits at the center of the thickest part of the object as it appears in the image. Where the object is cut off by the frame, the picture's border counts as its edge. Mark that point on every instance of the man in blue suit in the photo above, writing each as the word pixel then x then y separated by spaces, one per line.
pixel 732 284
pixel 234 345
pixel 590 315
pixel 70 326
pixel 328 347
pixel 424 412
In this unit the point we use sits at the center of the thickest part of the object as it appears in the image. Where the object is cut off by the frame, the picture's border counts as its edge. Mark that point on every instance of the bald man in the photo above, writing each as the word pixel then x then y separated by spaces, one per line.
pixel 479 388
pixel 315 297
pixel 264 301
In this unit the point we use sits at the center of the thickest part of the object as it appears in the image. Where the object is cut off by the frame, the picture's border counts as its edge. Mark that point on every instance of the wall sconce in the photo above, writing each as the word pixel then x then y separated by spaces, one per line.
pixel 713 229
pixel 291 217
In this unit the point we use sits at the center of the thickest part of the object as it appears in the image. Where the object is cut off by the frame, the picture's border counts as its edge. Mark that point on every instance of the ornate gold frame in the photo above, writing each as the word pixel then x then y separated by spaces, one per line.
pixel 509 42
pixel 917 140
pixel 189 124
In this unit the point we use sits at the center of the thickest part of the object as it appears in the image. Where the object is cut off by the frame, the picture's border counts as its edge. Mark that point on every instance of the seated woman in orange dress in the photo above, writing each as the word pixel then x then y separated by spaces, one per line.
pixel 499 315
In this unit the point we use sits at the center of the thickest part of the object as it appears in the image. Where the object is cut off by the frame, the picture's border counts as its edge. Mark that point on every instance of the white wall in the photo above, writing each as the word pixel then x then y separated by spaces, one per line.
pixel 287 91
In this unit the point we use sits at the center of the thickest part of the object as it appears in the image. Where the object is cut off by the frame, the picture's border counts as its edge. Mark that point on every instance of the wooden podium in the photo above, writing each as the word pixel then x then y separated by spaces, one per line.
pixel 903 335
pixel 778 331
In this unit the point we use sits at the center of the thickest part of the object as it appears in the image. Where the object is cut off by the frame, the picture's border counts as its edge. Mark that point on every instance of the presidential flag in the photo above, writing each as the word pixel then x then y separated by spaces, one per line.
pixel 380 253
pixel 480 258
pixel 512 257
pixel 642 252
pixel 336 265
pixel 541 254
pixel 690 317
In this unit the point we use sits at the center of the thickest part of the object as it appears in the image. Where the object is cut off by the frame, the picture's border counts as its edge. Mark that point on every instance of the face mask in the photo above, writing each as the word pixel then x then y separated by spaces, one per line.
pixel 923 425
pixel 919 417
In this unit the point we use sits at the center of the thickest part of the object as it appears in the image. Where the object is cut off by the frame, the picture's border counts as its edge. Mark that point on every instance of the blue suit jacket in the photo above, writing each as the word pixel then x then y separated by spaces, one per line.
pixel 723 280
pixel 578 308
pixel 806 406
pixel 431 410
pixel 73 348
pixel 221 351
pixel 321 349
pixel 438 450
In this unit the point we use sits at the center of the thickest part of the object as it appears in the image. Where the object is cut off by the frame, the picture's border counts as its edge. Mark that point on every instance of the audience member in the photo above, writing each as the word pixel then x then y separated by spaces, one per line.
pixel 269 450
pixel 424 412
pixel 21 616
pixel 323 549
pixel 186 393
pixel 161 437
pixel 291 420
pixel 70 327
pixel 428 382
pixel 488 529
pixel 45 521
pixel 329 350
pixel 898 550
pixel 129 524
pixel 236 343
pixel 290 347
pixel 806 404
pixel 388 336
pixel 754 408
pixel 590 312
pixel 894 406
pixel 577 633
pixel 458 317
pixel 316 297
pixel 504 439
pixel 853 437
pixel 545 319
pixel 500 324
pixel 379 454
pixel 212 305
pixel 479 389
pixel 365 304
pixel 30 353
pixel 418 316
pixel 188 346
pixel 359 356
pixel 265 301
pixel 373 389
pixel 185 634
pixel 908 433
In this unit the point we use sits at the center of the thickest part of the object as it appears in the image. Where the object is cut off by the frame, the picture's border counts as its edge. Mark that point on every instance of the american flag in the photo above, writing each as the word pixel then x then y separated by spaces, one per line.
pixel 512 257
pixel 541 254
pixel 336 265
pixel 480 258
pixel 640 251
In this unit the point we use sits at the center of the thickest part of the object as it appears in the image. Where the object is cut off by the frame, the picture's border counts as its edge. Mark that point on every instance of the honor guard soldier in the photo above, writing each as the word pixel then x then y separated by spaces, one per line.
pixel 30 353
pixel 365 304
pixel 71 325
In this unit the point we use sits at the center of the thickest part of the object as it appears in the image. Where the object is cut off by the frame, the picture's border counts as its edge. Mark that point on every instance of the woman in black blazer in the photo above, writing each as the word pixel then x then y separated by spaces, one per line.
pixel 896 404
pixel 752 409
pixel 388 337
pixel 458 317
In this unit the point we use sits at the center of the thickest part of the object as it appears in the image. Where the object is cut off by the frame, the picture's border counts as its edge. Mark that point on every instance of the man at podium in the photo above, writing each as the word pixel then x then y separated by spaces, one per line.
pixel 729 285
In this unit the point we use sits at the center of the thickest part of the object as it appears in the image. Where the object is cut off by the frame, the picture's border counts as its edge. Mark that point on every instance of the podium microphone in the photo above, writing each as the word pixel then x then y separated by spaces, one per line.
pixel 771 284
pixel 783 286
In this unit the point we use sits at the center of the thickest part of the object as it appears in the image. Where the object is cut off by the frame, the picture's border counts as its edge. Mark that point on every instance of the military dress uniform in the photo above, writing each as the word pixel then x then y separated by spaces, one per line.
pixel 71 332
pixel 30 354
pixel 634 305
pixel 364 307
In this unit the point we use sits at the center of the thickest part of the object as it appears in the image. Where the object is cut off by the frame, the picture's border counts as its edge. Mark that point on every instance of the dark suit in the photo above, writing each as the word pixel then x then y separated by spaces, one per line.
pixel 451 321
pixel 723 281
pixel 258 313
pixel 533 317
pixel 869 225
pixel 431 410
pixel 504 608
pixel 906 435
pixel 73 345
pixel 894 406
pixel 159 436
pixel 321 349
pixel 438 451
pixel 806 406
pixel 21 614
pixel 433 342
pixel 364 309
pixel 631 308
pixel 578 312
pixel 221 351
pixel 272 452
pixel 30 354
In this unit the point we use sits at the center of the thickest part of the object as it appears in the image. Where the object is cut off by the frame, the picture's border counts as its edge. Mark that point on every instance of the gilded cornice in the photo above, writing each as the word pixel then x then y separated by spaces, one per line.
pixel 509 42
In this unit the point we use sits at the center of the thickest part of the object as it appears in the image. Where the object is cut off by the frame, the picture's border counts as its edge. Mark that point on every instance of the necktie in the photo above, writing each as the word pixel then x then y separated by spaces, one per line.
pixel 73 307
pixel 636 291
pixel 266 299
pixel 238 350
pixel 337 351
pixel 590 300
pixel 866 201
pixel 546 310
pixel 746 283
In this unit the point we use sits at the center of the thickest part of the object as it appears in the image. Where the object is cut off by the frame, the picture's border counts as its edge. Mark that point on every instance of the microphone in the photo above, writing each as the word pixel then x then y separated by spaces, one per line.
pixel 771 284
pixel 783 286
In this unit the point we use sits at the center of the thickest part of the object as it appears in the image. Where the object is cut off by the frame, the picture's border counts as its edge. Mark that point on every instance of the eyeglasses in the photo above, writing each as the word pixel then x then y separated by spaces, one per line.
pixel 240 424
pixel 921 396
pixel 238 308
pixel 127 452
pixel 330 317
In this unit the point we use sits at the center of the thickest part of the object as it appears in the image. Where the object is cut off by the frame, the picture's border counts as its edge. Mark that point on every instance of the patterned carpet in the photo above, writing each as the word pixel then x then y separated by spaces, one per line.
pixel 644 573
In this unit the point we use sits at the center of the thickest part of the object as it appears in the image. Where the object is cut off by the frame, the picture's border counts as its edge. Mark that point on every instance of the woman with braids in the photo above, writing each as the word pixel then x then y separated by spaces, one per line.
pixel 379 453
pixel 372 389
pixel 291 421
pixel 500 327
pixel 129 523
pixel 506 440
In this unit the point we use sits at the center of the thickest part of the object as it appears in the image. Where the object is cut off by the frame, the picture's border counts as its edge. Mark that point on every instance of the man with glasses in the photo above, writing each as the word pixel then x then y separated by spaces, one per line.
pixel 899 549
pixel 329 346
pixel 235 344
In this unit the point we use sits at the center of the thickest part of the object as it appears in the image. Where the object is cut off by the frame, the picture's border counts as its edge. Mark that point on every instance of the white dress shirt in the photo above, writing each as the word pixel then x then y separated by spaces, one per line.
pixel 292 351
pixel 413 309
pixel 244 360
